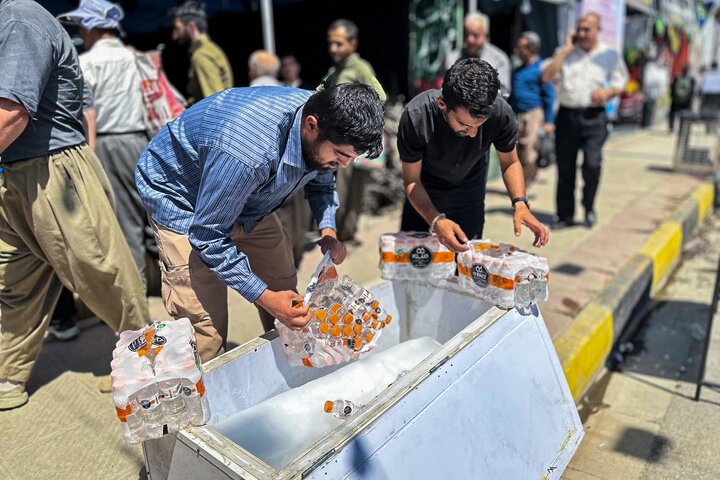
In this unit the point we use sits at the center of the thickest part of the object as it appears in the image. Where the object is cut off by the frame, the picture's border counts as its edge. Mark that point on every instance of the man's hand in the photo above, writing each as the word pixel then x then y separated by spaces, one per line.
pixel 451 235
pixel 280 305
pixel 336 247
pixel 548 127
pixel 524 217
pixel 601 95
pixel 569 41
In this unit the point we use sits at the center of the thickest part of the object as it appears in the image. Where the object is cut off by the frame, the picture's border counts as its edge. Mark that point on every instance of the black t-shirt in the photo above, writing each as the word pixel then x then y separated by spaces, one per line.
pixel 451 161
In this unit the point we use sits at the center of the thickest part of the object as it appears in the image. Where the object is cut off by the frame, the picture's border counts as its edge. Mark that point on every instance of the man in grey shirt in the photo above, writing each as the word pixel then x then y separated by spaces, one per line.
pixel 475 45
pixel 57 224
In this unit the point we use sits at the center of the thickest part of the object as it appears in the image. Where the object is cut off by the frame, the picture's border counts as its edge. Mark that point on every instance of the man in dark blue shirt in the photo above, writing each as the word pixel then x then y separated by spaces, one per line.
pixel 213 178
pixel 532 101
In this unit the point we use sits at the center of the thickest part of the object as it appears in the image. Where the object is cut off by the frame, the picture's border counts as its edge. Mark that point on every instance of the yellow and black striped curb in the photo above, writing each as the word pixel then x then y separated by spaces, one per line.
pixel 584 347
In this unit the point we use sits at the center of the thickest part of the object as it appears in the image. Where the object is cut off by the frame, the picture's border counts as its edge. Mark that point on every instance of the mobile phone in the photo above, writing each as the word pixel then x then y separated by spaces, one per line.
pixel 574 38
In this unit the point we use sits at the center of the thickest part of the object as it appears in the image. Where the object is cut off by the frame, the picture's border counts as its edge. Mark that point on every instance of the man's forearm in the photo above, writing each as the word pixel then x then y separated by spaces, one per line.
pixel 421 202
pixel 552 69
pixel 13 120
pixel 512 173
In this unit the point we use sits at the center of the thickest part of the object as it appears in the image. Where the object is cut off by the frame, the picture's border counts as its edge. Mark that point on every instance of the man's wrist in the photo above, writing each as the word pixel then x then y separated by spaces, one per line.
pixel 328 232
pixel 521 201
pixel 435 220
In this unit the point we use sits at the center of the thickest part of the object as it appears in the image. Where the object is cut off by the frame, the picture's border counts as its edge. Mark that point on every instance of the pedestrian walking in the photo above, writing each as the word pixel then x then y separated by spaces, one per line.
pixel 342 38
pixel 443 139
pixel 57 221
pixel 681 95
pixel 212 178
pixel 110 72
pixel 476 45
pixel 587 74
pixel 210 70
pixel 533 102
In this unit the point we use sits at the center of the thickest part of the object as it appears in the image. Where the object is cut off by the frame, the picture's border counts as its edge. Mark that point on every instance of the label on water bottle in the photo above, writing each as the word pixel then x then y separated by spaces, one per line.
pixel 480 275
pixel 421 256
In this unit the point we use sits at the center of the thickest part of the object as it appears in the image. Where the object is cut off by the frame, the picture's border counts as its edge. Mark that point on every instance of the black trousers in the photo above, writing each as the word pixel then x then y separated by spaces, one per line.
pixel 462 207
pixel 577 129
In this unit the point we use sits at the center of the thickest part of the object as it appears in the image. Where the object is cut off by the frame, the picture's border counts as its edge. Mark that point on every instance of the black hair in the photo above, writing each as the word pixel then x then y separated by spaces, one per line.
pixel 349 114
pixel 472 84
pixel 348 25
pixel 191 11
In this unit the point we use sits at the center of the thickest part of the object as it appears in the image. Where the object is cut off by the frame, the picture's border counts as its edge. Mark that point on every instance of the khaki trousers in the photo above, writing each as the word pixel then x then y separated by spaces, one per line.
pixel 190 289
pixel 58 227
pixel 528 125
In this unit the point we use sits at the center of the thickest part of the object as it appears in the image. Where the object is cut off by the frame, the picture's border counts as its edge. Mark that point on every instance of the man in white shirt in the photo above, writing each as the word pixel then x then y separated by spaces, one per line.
pixel 109 69
pixel 475 45
pixel 587 75
pixel 263 69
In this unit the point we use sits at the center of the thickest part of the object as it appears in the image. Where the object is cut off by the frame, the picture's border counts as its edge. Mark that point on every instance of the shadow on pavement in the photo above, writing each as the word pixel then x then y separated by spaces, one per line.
pixel 642 444
pixel 91 351
pixel 670 342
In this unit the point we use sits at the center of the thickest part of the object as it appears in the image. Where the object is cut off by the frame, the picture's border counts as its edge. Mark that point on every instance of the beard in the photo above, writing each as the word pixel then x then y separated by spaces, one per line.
pixel 309 154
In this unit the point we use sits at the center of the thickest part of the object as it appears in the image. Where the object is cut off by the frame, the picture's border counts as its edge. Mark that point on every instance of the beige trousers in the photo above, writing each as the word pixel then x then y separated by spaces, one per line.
pixel 190 289
pixel 58 227
pixel 528 125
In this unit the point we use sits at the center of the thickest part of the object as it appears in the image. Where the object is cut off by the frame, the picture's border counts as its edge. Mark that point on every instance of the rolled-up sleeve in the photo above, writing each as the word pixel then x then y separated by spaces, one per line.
pixel 225 185
pixel 323 199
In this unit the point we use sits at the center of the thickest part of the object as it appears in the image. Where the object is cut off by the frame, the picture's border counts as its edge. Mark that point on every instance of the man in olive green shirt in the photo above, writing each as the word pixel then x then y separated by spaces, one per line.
pixel 210 70
pixel 348 67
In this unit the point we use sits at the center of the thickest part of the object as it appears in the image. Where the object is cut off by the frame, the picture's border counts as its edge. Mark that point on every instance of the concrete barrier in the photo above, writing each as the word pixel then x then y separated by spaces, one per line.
pixel 584 347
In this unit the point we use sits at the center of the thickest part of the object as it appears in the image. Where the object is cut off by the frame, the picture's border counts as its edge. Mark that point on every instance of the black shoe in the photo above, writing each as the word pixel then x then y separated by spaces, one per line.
pixel 590 219
pixel 62 329
pixel 561 223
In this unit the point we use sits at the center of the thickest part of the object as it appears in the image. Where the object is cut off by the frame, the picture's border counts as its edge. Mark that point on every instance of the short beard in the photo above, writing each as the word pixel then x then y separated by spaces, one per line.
pixel 308 154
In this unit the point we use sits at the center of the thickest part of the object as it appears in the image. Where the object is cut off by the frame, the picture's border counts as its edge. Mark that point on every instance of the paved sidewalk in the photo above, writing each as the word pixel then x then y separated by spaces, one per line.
pixel 75 427
pixel 642 423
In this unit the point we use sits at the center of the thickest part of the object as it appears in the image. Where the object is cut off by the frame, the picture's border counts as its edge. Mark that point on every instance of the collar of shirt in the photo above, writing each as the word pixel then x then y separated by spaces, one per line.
pixel 202 39
pixel 293 149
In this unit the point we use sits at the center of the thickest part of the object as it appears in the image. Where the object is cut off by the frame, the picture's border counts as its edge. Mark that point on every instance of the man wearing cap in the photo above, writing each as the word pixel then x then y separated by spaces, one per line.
pixel 57 224
pixel 210 70
pixel 110 72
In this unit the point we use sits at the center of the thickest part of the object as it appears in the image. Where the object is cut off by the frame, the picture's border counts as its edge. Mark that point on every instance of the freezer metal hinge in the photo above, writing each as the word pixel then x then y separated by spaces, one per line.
pixel 319 462
pixel 440 364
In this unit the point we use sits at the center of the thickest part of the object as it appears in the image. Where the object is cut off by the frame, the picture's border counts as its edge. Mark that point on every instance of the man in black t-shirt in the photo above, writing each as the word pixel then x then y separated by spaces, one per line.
pixel 443 139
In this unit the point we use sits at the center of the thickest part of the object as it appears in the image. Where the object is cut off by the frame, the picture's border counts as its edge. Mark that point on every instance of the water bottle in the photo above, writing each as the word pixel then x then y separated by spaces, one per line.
pixel 193 403
pixel 340 408
pixel 173 404
pixel 134 430
pixel 151 410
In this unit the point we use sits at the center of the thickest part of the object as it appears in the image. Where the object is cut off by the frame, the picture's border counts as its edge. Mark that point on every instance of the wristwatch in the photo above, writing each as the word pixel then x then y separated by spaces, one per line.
pixel 520 199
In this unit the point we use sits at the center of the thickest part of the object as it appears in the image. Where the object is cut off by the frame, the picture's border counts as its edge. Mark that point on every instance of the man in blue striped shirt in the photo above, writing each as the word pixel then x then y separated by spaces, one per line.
pixel 212 178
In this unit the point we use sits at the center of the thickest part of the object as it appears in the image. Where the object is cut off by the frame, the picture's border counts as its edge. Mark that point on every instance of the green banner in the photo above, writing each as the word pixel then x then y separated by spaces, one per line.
pixel 435 30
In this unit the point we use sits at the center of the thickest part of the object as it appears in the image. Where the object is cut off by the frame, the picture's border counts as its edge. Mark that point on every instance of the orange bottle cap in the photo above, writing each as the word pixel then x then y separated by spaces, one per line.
pixel 369 337
pixel 320 315
pixel 388 319
pixel 324 328
pixel 348 330
pixel 335 307
pixel 357 329
pixel 375 304
pixel 358 343
pixel 348 318
pixel 336 331
pixel 328 407
pixel 334 318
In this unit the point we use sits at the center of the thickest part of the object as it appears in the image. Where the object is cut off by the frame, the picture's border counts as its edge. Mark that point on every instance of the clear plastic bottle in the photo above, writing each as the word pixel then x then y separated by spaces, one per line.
pixel 173 404
pixel 340 408
pixel 135 431
pixel 193 403
pixel 151 410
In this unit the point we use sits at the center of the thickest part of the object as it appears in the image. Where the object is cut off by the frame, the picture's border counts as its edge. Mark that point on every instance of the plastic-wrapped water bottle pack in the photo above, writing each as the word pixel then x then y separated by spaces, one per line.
pixel 157 380
pixel 346 320
pixel 502 274
pixel 415 256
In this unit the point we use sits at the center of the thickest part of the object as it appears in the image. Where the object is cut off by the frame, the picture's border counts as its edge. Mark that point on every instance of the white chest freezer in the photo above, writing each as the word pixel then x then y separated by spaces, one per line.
pixel 490 402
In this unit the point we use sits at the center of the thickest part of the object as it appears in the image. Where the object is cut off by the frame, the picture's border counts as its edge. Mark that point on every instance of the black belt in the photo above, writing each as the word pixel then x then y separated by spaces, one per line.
pixel 583 109
pixel 134 132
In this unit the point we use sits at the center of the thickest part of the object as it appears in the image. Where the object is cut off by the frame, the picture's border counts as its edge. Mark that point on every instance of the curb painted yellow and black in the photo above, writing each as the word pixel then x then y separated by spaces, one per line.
pixel 584 347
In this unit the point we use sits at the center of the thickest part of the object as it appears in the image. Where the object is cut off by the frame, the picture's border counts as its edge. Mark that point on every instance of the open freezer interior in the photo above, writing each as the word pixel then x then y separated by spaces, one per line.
pixel 275 412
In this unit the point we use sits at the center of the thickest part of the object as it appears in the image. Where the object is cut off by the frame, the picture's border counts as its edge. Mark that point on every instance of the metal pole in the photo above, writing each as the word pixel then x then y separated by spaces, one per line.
pixel 266 12
pixel 708 333
pixel 472 6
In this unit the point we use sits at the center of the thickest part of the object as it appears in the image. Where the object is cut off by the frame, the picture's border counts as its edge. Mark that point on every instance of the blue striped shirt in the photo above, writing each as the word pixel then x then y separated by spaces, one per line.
pixel 232 158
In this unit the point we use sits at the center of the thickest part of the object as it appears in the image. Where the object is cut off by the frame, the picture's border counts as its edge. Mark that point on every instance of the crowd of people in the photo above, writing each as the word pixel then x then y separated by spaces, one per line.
pixel 231 187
